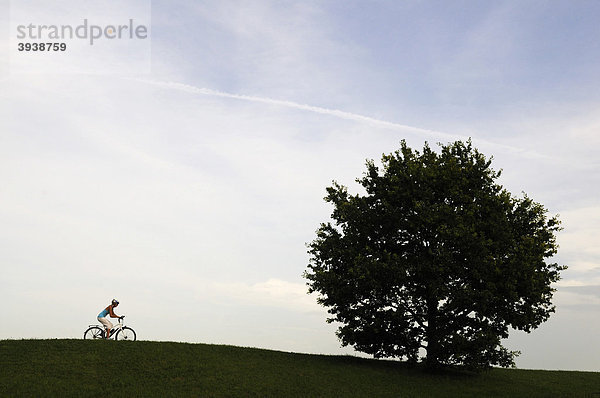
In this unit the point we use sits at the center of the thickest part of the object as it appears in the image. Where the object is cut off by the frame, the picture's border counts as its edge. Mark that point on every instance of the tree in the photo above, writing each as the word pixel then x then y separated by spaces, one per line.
pixel 435 258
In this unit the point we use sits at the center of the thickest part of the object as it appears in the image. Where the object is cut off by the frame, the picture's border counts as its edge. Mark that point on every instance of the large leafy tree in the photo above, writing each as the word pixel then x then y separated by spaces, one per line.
pixel 436 257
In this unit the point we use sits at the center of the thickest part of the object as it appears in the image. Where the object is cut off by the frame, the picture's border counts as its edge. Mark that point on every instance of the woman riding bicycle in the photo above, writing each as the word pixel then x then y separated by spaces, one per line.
pixel 108 311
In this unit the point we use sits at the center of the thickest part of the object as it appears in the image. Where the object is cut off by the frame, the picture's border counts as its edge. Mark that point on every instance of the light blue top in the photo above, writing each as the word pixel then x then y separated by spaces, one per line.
pixel 103 314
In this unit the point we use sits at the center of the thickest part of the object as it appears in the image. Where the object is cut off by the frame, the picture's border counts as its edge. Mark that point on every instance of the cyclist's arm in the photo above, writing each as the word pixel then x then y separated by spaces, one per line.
pixel 111 312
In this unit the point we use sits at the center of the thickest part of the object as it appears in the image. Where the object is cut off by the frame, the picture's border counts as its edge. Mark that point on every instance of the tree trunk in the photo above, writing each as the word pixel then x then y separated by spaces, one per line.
pixel 432 361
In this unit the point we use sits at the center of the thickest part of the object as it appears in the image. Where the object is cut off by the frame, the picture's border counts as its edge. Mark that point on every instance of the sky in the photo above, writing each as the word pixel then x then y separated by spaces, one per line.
pixel 186 175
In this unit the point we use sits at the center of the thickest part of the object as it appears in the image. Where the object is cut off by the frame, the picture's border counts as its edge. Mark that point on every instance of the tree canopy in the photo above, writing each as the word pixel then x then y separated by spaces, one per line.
pixel 435 257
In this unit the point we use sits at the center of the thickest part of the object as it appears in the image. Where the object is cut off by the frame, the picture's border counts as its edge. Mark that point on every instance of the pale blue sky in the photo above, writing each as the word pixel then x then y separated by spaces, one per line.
pixel 189 193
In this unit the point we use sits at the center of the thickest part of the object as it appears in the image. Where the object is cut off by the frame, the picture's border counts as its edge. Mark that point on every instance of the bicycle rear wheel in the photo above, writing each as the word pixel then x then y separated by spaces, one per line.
pixel 94 332
pixel 127 334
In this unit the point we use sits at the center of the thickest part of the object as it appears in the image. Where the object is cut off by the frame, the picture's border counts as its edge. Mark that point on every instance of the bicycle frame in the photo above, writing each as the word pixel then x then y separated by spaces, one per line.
pixel 113 330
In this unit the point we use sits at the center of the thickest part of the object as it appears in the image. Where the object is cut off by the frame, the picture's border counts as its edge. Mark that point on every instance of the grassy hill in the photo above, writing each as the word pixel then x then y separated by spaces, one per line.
pixel 79 368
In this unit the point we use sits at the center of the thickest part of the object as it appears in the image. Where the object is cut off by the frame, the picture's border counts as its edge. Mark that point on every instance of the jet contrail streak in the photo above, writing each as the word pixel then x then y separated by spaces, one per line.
pixel 336 113
pixel 296 105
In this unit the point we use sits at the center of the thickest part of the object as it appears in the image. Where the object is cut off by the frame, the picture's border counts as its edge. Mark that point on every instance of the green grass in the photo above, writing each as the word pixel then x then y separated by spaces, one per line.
pixel 81 368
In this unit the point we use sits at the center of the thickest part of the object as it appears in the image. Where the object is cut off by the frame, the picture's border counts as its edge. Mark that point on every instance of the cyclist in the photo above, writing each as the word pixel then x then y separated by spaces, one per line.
pixel 109 311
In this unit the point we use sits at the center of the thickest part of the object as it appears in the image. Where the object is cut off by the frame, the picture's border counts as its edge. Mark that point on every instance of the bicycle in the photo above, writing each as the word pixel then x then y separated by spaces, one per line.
pixel 119 331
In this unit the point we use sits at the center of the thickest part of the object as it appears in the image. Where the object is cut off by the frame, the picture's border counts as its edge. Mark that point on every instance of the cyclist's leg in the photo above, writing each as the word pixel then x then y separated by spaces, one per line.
pixel 107 324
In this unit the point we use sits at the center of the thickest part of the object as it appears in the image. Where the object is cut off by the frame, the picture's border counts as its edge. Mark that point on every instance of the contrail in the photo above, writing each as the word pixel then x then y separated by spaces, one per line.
pixel 338 113
pixel 296 105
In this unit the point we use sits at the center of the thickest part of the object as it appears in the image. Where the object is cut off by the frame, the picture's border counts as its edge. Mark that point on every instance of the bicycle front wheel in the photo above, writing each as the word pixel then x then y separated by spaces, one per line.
pixel 93 333
pixel 127 334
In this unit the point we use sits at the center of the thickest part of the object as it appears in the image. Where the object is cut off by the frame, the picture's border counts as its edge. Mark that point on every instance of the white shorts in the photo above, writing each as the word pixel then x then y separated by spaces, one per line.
pixel 105 322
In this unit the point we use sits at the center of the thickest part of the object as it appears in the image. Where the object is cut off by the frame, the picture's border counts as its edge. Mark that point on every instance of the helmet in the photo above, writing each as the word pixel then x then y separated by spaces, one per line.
pixel 115 302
